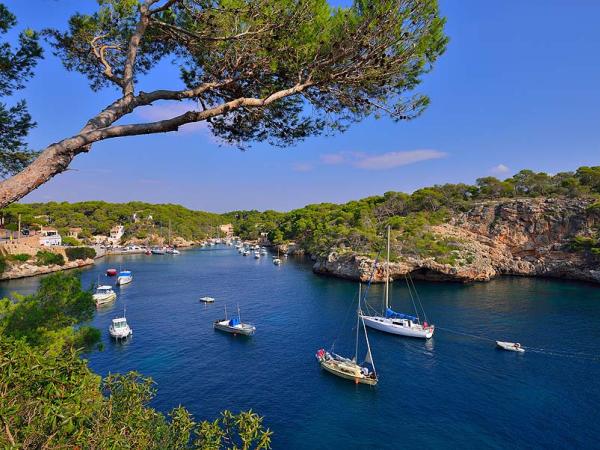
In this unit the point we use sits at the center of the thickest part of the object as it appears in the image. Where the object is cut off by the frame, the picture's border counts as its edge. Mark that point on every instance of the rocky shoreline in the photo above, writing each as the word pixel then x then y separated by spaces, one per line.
pixel 528 237
pixel 30 270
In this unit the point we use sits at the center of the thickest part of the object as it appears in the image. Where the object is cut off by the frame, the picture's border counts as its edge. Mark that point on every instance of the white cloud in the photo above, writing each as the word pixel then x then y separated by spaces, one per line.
pixel 302 167
pixel 390 160
pixel 332 158
pixel 499 169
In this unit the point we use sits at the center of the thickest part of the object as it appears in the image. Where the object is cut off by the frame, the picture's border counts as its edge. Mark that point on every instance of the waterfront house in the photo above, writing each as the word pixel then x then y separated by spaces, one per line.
pixel 49 237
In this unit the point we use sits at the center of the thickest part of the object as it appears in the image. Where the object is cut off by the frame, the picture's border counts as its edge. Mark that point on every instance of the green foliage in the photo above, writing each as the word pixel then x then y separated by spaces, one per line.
pixel 16 67
pixel 47 317
pixel 80 253
pixel 21 257
pixel 68 240
pixel 360 60
pixel 586 244
pixel 97 217
pixel 2 264
pixel 46 258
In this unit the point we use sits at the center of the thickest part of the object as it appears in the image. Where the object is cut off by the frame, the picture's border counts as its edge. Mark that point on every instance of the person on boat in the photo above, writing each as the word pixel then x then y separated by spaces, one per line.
pixel 365 371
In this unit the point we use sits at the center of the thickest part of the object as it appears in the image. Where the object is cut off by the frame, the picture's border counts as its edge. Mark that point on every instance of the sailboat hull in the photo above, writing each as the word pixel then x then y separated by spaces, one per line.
pixel 398 327
pixel 347 370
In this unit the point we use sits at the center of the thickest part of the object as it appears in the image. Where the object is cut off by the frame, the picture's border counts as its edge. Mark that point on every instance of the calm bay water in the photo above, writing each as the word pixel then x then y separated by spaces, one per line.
pixel 451 391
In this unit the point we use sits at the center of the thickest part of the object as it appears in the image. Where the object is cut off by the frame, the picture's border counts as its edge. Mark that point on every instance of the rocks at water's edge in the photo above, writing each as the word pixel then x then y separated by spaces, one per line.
pixel 527 237
pixel 29 270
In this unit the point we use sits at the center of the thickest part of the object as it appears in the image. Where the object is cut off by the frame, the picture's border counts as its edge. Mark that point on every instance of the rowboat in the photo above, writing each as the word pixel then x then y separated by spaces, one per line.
pixel 111 272
pixel 510 346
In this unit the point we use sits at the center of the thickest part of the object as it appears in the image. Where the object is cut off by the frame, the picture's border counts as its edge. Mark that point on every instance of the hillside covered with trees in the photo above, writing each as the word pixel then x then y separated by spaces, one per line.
pixel 97 218
pixel 358 225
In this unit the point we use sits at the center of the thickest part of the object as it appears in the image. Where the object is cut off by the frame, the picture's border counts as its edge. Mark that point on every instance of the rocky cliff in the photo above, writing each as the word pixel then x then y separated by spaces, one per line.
pixel 528 237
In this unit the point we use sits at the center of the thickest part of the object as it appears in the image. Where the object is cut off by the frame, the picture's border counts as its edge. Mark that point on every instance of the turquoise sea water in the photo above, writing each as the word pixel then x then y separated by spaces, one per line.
pixel 453 391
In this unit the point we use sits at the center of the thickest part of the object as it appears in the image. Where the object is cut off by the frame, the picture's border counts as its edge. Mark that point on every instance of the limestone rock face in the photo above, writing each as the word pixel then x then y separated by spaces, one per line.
pixel 29 270
pixel 528 237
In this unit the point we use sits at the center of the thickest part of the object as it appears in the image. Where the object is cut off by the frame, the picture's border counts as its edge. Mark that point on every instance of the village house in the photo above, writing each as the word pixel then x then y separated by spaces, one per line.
pixel 49 237
pixel 116 233
pixel 227 229
pixel 74 232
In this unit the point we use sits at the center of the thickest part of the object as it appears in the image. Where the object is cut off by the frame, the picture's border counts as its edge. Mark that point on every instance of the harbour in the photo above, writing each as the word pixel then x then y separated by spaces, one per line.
pixel 448 391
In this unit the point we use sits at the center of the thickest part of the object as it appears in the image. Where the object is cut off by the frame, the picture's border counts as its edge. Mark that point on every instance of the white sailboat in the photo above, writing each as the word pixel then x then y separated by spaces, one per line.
pixel 398 323
pixel 347 368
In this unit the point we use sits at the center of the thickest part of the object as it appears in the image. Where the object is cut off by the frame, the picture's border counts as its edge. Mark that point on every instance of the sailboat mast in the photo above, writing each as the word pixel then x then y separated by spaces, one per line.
pixel 387 272
pixel 239 315
pixel 357 322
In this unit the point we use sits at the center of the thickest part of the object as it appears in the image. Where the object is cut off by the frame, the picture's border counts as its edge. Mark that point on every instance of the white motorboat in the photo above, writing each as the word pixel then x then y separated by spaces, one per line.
pixel 263 251
pixel 234 325
pixel 103 295
pixel 119 328
pixel 277 261
pixel 172 251
pixel 207 299
pixel 257 255
pixel 510 346
pixel 398 323
pixel 124 277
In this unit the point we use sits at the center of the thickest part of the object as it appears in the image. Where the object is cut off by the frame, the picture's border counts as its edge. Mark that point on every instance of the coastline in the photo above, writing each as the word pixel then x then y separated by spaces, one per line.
pixel 31 270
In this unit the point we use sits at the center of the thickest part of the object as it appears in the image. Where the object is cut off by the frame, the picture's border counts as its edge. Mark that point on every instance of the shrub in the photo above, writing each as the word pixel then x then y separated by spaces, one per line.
pixel 80 253
pixel 45 258
pixel 71 241
pixel 2 264
pixel 22 257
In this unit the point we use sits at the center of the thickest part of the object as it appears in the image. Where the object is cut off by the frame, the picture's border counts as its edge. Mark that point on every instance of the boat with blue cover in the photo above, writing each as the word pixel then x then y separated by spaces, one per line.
pixel 124 277
pixel 394 322
pixel 234 325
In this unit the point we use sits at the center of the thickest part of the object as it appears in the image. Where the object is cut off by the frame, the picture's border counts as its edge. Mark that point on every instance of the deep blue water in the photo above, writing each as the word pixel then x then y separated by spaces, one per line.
pixel 452 391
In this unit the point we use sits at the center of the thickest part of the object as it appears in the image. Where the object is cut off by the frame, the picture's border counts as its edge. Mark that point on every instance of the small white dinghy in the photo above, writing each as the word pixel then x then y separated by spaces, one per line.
pixel 510 346
pixel 207 299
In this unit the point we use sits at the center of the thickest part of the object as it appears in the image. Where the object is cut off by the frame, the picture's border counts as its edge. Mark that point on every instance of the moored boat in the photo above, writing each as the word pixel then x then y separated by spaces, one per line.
pixel 111 272
pixel 234 325
pixel 347 368
pixel 207 299
pixel 125 277
pixel 119 328
pixel 393 322
pixel 103 295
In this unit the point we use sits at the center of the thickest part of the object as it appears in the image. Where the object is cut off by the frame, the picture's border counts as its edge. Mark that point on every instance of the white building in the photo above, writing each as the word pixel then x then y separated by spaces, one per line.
pixel 116 233
pixel 49 237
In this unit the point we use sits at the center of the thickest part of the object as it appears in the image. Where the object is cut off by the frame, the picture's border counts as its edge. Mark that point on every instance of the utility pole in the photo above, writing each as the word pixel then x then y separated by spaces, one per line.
pixel 19 232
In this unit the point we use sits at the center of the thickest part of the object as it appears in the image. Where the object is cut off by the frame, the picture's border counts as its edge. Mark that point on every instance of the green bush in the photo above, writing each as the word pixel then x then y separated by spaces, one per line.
pixel 71 241
pixel 45 258
pixel 22 257
pixel 2 264
pixel 74 253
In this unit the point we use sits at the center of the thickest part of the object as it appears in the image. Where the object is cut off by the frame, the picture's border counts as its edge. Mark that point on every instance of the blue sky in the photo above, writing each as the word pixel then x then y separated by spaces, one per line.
pixel 519 87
